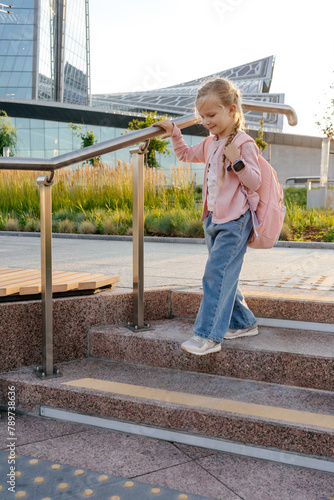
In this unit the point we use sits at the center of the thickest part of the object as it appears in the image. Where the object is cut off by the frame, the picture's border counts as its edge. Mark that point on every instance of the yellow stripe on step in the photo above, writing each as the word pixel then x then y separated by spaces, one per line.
pixel 198 401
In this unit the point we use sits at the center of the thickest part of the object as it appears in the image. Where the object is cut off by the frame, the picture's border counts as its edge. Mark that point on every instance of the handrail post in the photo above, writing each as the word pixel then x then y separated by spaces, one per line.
pixel 138 153
pixel 47 369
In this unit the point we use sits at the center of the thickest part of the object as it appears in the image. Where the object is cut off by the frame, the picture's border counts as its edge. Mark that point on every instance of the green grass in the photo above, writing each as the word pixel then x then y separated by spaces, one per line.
pixel 295 196
pixel 306 224
pixel 99 200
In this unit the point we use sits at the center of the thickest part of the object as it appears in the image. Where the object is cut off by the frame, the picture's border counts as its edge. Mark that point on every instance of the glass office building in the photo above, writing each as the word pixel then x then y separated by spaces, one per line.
pixel 42 123
pixel 45 85
pixel 44 51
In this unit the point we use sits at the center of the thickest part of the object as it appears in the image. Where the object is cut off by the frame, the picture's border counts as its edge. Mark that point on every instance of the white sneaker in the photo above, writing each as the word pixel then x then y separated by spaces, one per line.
pixel 247 332
pixel 199 346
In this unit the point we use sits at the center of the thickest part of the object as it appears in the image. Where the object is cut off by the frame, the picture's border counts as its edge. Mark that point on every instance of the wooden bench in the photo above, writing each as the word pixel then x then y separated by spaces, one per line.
pixel 23 282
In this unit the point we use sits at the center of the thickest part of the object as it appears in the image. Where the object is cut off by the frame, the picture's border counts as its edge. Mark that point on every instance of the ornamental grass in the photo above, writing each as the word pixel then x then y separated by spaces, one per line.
pixel 98 199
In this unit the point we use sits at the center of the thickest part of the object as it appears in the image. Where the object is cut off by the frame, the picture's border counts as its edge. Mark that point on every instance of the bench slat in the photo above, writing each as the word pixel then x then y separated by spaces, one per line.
pixel 28 281
pixel 97 283
pixel 4 278
pixel 61 279
pixel 72 284
pixel 15 286
pixel 4 270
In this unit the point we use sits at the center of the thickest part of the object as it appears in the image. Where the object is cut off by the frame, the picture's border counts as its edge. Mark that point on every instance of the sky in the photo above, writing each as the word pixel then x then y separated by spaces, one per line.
pixel 149 44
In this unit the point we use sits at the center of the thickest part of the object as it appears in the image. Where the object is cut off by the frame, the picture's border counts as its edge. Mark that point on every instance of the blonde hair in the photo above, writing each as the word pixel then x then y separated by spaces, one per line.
pixel 226 94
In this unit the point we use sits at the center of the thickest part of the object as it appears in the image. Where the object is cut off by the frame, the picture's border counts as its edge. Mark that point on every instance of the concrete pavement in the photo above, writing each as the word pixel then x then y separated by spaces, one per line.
pixel 297 270
pixel 156 467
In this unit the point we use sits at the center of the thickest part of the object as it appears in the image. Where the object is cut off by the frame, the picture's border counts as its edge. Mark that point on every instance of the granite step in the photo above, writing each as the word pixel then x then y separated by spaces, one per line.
pixel 268 303
pixel 260 414
pixel 21 322
pixel 277 355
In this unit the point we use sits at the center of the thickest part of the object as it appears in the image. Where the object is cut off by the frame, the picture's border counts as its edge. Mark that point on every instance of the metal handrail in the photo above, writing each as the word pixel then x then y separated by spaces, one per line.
pixel 45 183
pixel 126 140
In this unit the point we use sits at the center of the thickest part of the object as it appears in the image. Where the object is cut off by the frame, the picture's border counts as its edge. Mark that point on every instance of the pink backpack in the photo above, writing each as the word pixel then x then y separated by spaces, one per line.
pixel 269 216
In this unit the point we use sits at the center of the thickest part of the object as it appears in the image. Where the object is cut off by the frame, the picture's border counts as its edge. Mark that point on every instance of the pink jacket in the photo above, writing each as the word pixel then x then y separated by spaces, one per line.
pixel 230 202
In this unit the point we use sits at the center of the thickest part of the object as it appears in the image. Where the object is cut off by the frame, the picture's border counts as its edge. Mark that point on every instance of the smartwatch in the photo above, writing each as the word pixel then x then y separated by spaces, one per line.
pixel 239 165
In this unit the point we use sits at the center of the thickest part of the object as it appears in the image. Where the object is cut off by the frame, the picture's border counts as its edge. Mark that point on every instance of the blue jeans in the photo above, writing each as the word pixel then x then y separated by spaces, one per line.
pixel 223 305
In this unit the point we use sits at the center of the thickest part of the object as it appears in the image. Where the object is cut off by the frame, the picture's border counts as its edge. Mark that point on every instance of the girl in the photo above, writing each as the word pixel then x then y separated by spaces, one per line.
pixel 227 220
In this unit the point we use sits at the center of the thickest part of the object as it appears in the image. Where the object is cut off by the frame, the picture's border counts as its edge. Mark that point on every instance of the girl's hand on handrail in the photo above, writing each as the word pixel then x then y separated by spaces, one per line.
pixel 167 125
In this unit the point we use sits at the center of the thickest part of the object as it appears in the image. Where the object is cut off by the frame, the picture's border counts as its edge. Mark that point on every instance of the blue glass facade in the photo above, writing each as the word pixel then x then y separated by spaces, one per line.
pixel 45 52
pixel 46 139
pixel 76 76
pixel 17 34
pixel 34 63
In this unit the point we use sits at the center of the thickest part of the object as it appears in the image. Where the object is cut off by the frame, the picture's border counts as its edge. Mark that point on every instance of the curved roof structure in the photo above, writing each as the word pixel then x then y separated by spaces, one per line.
pixel 254 79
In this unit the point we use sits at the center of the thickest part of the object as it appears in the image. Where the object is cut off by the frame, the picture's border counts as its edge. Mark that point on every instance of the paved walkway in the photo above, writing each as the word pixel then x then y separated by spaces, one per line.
pixel 289 271
pixel 180 472
pixel 167 470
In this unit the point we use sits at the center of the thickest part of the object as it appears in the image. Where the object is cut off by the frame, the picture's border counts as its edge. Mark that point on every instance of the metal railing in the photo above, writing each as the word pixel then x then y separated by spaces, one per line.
pixel 80 155
pixel 51 165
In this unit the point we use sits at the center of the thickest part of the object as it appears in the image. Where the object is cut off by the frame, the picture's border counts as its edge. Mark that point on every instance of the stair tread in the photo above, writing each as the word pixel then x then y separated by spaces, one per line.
pixel 271 339
pixel 271 415
pixel 309 343
pixel 286 340
pixel 276 355
pixel 176 381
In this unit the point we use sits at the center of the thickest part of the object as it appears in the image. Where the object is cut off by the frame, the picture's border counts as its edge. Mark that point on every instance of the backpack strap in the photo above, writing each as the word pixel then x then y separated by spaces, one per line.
pixel 244 142
pixel 241 139
pixel 255 221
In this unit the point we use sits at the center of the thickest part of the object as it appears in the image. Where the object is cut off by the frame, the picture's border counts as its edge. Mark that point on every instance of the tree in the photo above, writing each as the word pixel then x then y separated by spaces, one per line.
pixel 156 145
pixel 326 124
pixel 8 134
pixel 259 141
pixel 87 139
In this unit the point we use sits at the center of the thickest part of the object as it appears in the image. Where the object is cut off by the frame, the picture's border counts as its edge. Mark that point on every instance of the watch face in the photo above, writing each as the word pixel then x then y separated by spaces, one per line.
pixel 238 166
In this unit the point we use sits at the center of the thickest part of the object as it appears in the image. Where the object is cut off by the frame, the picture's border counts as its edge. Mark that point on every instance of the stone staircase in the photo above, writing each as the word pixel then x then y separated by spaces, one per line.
pixel 272 393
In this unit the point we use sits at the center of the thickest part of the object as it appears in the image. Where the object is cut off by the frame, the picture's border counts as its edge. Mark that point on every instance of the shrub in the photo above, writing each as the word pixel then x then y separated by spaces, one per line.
pixel 12 224
pixel 175 222
pixel 32 225
pixel 109 227
pixel 55 226
pixel 158 223
pixel 87 227
pixel 194 229
pixel 65 213
pixel 295 196
pixel 22 221
pixel 285 232
pixel 66 226
pixel 97 217
pixel 117 222
pixel 329 235
pixel 78 218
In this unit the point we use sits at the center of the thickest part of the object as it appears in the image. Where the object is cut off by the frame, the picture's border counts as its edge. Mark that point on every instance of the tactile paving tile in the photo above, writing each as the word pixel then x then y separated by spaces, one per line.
pixel 321 283
pixel 37 479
